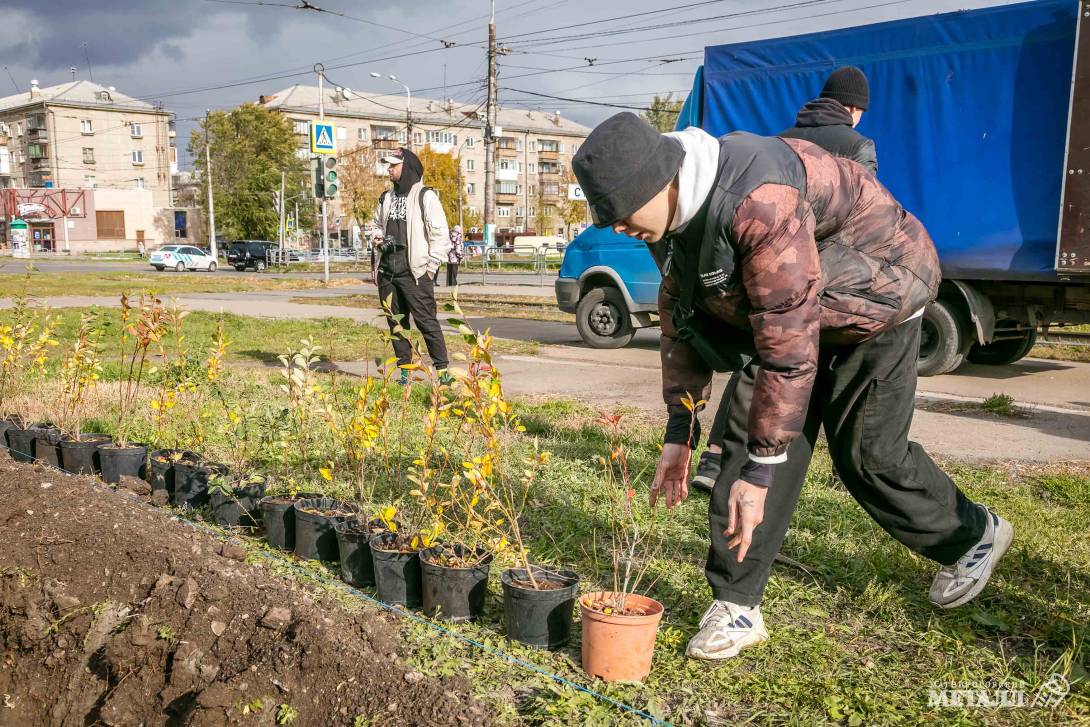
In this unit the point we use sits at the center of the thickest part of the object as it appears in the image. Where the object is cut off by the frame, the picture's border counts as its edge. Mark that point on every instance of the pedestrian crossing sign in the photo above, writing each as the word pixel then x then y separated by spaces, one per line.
pixel 322 138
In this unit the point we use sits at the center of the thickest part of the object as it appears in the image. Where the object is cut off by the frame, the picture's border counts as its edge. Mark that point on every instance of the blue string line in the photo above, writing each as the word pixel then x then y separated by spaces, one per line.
pixel 341 585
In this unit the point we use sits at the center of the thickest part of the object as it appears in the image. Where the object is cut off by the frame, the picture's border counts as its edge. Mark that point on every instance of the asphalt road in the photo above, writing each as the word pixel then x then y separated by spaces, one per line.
pixel 1054 396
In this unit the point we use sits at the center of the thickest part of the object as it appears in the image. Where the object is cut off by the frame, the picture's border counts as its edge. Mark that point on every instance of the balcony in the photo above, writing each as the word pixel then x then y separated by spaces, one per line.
pixel 507 152
pixel 548 155
pixel 506 198
pixel 385 144
pixel 37 152
pixel 37 135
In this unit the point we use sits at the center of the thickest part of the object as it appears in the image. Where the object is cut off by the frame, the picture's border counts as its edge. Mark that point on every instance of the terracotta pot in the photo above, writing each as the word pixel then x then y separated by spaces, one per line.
pixel 619 648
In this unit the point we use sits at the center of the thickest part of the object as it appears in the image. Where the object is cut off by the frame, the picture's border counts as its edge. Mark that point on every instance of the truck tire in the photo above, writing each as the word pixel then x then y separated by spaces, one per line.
pixel 942 340
pixel 603 319
pixel 1001 353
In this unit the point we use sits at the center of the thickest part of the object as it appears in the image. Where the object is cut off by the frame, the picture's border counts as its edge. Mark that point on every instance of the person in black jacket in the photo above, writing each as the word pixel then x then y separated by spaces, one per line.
pixel 828 121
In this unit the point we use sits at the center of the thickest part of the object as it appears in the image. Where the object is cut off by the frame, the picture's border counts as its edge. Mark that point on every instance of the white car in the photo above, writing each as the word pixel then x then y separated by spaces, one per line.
pixel 182 258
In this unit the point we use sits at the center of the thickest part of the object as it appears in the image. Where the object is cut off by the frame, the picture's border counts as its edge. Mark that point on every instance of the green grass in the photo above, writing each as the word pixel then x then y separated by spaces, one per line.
pixel 262 340
pixel 853 637
pixel 113 284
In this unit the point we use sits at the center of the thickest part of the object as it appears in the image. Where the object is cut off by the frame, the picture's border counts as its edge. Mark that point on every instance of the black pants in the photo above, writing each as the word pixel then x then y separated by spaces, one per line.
pixel 415 300
pixel 452 274
pixel 864 397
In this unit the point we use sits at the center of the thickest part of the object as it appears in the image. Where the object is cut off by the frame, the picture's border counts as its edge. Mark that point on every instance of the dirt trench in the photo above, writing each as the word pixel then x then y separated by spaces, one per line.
pixel 113 614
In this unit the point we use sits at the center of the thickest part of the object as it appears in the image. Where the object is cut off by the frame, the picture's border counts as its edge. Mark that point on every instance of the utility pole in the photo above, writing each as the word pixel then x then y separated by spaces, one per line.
pixel 211 205
pixel 283 205
pixel 320 70
pixel 489 141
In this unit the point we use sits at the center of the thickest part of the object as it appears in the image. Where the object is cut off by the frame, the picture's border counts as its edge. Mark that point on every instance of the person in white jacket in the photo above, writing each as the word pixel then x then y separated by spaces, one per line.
pixel 415 243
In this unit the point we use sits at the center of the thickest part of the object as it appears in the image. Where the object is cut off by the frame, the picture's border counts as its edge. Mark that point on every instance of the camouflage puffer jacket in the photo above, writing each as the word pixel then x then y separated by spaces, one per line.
pixel 798 248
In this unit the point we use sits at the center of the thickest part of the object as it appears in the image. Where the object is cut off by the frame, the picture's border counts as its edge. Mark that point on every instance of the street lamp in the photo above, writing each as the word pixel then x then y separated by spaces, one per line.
pixel 408 106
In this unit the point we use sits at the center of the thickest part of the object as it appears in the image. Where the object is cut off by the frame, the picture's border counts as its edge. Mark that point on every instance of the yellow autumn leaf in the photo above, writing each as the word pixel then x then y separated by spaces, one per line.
pixel 326 473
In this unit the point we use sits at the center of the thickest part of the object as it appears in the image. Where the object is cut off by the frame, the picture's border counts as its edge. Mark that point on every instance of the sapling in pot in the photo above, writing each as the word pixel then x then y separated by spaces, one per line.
pixel 81 369
pixel 25 339
pixel 142 325
pixel 620 625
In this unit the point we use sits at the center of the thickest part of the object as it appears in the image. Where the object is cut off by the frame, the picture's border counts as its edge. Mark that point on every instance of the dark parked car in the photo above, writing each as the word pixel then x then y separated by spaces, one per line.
pixel 254 254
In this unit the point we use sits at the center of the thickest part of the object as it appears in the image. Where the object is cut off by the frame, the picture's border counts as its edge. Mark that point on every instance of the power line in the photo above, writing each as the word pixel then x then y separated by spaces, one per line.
pixel 576 100
pixel 613 19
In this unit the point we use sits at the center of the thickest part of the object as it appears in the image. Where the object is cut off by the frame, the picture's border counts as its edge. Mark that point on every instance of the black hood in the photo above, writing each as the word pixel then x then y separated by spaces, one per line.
pixel 823 112
pixel 412 171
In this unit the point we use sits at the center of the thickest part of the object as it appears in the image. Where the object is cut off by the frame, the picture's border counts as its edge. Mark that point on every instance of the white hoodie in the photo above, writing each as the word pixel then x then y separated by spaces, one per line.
pixel 697 174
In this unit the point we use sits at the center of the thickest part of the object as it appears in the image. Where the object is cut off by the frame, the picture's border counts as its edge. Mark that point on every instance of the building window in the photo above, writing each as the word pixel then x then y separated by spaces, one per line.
pixel 442 137
pixel 533 190
pixel 89 182
pixel 22 157
pixel 342 133
pixel 303 153
pixel 138 183
pixel 574 148
pixel 18 128
pixel 85 126
pixel 503 211
pixel 361 134
pixel 417 138
pixel 518 144
pixel 88 155
pixel 548 145
pixel 533 147
pixel 532 212
pixel 300 127
pixel 111 225
pixel 506 188
pixel 384 133
pixel 471 188
pixel 470 165
pixel 470 141
pixel 138 157
pixel 518 212
pixel 136 131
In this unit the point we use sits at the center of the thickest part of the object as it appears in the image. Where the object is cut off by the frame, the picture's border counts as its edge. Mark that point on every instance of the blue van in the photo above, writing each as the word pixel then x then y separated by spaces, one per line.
pixel 611 283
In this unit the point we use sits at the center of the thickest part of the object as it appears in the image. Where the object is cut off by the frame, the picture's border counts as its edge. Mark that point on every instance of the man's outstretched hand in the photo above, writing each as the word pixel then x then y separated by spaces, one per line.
pixel 672 475
pixel 745 511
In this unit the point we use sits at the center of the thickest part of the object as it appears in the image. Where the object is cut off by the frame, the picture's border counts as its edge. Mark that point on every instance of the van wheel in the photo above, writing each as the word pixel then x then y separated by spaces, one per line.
pixel 942 340
pixel 603 319
pixel 259 266
pixel 240 268
pixel 1007 351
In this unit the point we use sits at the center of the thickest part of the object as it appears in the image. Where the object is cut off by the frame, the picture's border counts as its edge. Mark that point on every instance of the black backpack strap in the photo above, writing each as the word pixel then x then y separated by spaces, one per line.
pixel 420 203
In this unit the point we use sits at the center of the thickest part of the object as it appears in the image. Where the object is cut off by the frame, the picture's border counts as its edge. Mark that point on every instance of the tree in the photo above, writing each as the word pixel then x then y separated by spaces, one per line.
pixel 441 174
pixel 572 211
pixel 543 218
pixel 250 147
pixel 360 185
pixel 471 218
pixel 663 112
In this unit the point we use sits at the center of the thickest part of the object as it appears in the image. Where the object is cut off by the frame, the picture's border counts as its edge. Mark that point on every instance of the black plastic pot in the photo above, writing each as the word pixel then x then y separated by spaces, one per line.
pixel 186 485
pixel 540 618
pixel 357 566
pixel 161 468
pixel 196 492
pixel 8 422
pixel 116 462
pixel 80 456
pixel 21 443
pixel 397 575
pixel 454 594
pixel 46 439
pixel 241 510
pixel 315 538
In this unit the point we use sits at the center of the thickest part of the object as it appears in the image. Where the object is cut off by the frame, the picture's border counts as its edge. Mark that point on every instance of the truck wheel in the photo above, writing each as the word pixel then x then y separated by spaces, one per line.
pixel 603 320
pixel 259 266
pixel 941 340
pixel 1001 353
pixel 240 268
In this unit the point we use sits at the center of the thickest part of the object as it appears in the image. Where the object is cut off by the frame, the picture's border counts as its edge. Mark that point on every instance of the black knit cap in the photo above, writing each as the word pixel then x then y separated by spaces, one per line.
pixel 849 86
pixel 623 164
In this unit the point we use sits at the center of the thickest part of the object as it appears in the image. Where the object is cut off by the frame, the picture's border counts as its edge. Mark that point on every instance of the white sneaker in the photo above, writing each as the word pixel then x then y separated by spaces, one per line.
pixel 961 582
pixel 725 630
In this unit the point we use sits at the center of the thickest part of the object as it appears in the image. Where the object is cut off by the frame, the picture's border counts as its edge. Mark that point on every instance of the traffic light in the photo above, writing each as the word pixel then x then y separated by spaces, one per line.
pixel 319 178
pixel 329 176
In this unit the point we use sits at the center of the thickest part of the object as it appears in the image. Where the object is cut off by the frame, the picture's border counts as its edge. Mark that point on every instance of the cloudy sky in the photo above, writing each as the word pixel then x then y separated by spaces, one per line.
pixel 199 54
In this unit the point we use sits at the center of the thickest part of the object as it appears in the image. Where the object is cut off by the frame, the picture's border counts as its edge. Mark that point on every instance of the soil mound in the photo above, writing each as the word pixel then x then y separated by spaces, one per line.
pixel 111 613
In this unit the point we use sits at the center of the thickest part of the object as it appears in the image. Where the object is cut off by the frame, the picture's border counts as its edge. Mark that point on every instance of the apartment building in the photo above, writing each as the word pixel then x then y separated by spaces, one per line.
pixel 533 151
pixel 111 151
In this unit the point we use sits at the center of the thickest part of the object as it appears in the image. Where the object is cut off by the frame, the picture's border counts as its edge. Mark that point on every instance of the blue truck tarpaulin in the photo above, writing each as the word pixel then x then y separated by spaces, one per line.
pixel 968 111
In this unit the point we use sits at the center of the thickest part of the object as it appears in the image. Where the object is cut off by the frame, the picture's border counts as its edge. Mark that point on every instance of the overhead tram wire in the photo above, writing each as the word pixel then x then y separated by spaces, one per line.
pixel 672 9
pixel 860 8
pixel 581 101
